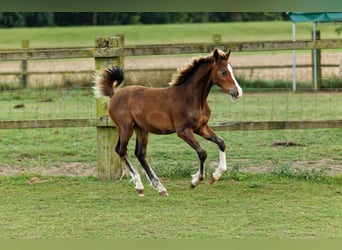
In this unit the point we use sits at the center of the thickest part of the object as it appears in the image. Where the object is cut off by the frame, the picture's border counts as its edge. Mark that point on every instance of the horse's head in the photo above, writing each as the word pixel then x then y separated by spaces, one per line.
pixel 223 76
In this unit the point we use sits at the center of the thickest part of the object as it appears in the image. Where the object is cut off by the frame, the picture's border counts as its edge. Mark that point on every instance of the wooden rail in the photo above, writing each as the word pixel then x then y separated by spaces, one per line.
pixel 57 53
pixel 51 123
pixel 288 66
pixel 176 49
pixel 105 121
pixel 163 49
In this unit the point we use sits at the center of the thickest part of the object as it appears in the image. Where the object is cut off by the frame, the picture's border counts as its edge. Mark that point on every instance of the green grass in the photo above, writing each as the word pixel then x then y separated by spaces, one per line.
pixel 168 33
pixel 331 83
pixel 84 208
pixel 80 103
pixel 47 104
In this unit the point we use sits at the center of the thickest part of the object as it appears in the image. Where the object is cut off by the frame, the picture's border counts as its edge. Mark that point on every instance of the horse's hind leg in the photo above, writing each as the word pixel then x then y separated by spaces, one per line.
pixel 121 150
pixel 140 153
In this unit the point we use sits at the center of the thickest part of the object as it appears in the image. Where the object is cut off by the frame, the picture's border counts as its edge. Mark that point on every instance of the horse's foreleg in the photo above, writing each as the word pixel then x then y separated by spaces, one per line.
pixel 188 136
pixel 140 153
pixel 220 169
pixel 207 133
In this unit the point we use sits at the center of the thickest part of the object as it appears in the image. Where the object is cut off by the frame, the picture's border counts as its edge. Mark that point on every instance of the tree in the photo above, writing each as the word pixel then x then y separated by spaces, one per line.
pixel 12 19
pixel 34 19
pixel 38 19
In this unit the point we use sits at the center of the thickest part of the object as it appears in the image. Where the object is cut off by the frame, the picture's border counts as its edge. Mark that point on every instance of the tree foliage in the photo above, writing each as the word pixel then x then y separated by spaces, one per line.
pixel 39 19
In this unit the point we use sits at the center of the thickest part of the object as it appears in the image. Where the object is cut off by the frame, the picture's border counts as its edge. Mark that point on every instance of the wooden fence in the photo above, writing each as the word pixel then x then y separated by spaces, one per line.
pixel 27 53
pixel 110 51
pixel 104 49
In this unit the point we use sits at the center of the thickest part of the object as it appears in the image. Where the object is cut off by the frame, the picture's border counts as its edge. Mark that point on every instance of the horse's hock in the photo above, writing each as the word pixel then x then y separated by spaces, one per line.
pixel 107 53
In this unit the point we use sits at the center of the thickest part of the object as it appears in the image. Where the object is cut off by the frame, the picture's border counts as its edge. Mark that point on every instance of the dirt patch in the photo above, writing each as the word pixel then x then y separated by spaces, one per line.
pixel 67 169
pixel 287 144
pixel 329 167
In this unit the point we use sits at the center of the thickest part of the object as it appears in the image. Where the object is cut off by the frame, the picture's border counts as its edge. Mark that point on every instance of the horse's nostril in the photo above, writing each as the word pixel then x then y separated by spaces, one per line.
pixel 234 93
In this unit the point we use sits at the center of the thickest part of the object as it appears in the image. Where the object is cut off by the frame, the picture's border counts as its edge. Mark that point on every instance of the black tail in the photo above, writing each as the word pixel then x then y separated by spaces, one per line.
pixel 110 80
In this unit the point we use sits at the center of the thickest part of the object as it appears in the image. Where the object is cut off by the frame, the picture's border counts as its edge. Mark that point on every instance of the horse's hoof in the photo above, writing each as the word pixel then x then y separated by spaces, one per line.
pixel 212 180
pixel 140 192
pixel 163 193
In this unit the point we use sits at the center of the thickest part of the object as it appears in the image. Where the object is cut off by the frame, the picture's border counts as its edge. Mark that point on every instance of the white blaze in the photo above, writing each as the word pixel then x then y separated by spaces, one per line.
pixel 235 81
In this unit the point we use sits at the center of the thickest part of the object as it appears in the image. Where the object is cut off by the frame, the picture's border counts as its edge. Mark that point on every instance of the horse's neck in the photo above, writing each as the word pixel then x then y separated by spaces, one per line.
pixel 199 86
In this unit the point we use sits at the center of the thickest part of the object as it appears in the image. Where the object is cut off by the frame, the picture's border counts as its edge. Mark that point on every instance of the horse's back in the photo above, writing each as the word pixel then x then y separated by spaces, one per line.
pixel 136 95
pixel 148 108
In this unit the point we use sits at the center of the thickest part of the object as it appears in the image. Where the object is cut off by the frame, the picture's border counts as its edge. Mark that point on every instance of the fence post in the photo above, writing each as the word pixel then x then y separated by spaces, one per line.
pixel 217 38
pixel 122 43
pixel 24 45
pixel 108 163
pixel 316 62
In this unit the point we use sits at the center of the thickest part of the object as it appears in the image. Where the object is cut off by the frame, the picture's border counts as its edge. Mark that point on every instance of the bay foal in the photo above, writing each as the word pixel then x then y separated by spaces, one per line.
pixel 181 108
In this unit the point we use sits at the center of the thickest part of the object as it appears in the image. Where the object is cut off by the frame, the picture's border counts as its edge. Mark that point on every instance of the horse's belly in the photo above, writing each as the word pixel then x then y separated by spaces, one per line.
pixel 155 122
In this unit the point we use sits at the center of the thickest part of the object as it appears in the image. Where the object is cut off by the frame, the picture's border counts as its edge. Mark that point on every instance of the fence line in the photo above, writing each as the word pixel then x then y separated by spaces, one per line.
pixel 18 73
pixel 162 49
pixel 227 126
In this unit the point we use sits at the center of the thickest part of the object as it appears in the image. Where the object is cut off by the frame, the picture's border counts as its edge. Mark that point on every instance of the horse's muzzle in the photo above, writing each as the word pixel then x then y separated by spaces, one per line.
pixel 234 93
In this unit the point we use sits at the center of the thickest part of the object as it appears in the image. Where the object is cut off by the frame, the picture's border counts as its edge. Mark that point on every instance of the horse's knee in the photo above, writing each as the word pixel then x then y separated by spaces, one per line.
pixel 202 154
pixel 136 152
pixel 117 150
pixel 121 152
pixel 117 147
pixel 221 144
pixel 139 154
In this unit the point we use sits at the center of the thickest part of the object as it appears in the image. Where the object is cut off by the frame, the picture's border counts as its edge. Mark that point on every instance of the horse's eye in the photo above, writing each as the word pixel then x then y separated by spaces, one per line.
pixel 223 72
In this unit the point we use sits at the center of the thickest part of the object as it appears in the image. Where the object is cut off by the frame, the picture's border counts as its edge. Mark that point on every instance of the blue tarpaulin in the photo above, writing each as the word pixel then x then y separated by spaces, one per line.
pixel 318 17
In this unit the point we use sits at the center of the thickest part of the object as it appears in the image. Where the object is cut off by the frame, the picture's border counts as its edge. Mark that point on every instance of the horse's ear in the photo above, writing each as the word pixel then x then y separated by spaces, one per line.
pixel 216 55
pixel 228 54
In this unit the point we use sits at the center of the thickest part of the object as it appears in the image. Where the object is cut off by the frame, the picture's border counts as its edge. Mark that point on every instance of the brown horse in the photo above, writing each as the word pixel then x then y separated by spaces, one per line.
pixel 181 108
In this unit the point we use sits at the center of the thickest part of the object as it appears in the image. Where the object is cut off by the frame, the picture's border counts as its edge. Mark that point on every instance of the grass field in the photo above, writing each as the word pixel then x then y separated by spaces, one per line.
pixel 168 33
pixel 84 208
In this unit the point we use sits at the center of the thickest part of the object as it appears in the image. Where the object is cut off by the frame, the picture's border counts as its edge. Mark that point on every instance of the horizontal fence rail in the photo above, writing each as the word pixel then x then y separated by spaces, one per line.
pixel 57 53
pixel 226 126
pixel 164 49
pixel 170 49
pixel 18 73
